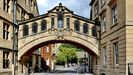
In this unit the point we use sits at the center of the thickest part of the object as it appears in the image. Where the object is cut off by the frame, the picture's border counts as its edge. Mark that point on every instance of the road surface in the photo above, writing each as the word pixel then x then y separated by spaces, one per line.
pixel 79 70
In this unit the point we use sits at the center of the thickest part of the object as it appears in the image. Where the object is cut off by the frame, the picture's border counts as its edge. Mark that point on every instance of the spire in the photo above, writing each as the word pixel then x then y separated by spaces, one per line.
pixel 60 4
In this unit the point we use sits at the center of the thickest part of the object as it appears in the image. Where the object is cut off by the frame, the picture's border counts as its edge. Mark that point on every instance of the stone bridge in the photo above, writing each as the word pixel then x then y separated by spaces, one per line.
pixel 59 25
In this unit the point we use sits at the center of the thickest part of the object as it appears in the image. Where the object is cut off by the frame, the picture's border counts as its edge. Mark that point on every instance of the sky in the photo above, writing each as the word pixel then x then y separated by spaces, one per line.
pixel 79 7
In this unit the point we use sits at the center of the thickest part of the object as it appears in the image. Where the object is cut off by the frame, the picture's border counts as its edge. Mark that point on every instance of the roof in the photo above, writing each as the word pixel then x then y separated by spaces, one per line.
pixel 91 3
pixel 57 9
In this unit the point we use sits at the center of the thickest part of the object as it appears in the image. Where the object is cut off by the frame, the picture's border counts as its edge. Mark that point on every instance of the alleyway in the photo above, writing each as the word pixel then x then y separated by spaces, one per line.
pixel 66 71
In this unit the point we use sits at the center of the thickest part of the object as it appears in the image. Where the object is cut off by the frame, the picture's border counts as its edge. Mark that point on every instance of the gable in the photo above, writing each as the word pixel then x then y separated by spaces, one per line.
pixel 60 8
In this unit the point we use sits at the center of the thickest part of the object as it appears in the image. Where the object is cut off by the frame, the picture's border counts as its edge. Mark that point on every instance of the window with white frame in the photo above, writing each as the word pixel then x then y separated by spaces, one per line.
pixel 6 61
pixel 96 8
pixel 103 24
pixel 47 49
pixel 47 61
pixel 115 18
pixel 104 55
pixel 116 57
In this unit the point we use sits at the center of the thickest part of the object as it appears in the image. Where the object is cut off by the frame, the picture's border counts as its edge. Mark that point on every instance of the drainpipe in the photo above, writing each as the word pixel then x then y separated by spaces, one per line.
pixel 15 39
pixel 97 24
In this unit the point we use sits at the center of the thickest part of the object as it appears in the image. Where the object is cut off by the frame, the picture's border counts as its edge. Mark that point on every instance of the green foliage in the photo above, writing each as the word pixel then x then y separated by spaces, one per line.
pixel 61 59
pixel 70 46
pixel 68 54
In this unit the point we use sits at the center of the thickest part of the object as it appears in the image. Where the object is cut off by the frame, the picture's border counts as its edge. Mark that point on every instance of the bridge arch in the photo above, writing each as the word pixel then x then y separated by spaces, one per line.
pixel 29 44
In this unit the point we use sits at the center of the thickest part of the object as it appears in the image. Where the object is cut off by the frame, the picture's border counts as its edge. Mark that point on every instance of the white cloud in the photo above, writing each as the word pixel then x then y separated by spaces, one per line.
pixel 79 7
pixel 42 2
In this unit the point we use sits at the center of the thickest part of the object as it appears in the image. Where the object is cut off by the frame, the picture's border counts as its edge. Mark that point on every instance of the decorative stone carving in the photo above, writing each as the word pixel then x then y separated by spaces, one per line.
pixel 60 33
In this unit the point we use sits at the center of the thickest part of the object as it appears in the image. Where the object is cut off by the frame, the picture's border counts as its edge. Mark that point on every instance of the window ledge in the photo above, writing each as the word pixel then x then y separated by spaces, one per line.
pixel 6 70
pixel 43 31
pixel 96 14
pixel 34 33
pixel 114 25
pixel 105 66
pixel 26 36
pixel 103 32
pixel 116 66
pixel 103 4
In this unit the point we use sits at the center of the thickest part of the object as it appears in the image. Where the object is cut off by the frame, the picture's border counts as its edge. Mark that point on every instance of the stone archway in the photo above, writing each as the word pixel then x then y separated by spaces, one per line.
pixel 90 44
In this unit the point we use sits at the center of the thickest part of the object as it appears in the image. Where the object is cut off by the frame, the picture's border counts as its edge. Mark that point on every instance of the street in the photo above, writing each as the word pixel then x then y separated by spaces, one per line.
pixel 66 71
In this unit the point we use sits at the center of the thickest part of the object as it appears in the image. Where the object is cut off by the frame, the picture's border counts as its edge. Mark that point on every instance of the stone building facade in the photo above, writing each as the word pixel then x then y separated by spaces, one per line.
pixel 116 24
pixel 25 9
pixel 48 55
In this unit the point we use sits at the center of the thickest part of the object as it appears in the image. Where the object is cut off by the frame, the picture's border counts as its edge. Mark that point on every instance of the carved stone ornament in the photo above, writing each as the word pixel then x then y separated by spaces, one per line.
pixel 60 33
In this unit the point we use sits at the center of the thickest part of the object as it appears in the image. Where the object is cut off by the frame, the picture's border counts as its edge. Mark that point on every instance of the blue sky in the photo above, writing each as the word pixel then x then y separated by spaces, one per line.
pixel 79 7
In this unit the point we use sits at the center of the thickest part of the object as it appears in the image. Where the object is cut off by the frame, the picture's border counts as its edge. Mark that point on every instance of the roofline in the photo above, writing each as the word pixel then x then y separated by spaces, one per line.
pixel 59 6
pixel 84 18
pixel 6 20
pixel 91 3
pixel 37 7
pixel 32 19
pixel 46 15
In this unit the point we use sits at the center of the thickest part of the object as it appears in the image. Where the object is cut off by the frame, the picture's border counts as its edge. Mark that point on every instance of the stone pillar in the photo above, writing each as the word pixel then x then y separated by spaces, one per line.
pixel 64 22
pixel 81 26
pixel 72 23
pixel 10 7
pixel 56 22
pixel 39 26
pixel 30 28
pixel 90 30
pixel 22 66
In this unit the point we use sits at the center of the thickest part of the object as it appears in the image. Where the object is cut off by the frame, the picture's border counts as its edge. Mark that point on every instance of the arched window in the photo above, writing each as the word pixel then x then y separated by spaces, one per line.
pixel 103 73
pixel 43 25
pixel 60 20
pixel 25 30
pixel 94 31
pixel 85 28
pixel 76 25
pixel 34 28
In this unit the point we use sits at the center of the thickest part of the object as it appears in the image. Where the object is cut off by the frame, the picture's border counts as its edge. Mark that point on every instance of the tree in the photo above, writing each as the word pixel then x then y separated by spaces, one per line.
pixel 68 52
pixel 70 46
pixel 61 59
